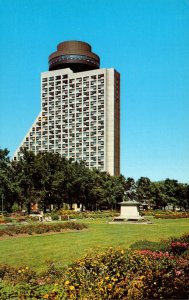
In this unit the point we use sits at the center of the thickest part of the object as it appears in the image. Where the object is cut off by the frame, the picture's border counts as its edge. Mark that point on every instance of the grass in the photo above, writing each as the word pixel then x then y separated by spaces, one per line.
pixel 35 251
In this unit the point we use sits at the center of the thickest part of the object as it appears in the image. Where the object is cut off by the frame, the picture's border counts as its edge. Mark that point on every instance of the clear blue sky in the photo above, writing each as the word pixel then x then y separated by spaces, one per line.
pixel 147 41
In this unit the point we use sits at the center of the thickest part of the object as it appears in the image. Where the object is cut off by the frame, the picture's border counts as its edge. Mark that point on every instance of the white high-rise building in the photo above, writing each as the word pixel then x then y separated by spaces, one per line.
pixel 80 110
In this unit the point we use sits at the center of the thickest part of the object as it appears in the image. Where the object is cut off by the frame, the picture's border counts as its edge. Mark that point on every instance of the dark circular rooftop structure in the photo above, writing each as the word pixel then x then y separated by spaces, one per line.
pixel 75 55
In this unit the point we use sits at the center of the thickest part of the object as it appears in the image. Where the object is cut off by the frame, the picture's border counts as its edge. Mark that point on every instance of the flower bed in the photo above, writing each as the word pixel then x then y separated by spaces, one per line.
pixel 87 214
pixel 115 274
pixel 12 230
pixel 175 246
pixel 168 214
pixel 171 215
pixel 13 218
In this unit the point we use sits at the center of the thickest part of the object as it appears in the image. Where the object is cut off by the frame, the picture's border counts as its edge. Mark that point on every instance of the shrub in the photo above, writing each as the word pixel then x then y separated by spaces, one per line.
pixel 120 274
pixel 171 215
pixel 15 207
pixel 8 220
pixel 40 228
pixel 16 218
pixel 185 255
pixel 64 218
pixel 88 214
pixel 2 219
pixel 183 238
pixel 54 216
pixel 16 275
pixel 33 219
pixel 176 246
pixel 31 291
pixel 148 212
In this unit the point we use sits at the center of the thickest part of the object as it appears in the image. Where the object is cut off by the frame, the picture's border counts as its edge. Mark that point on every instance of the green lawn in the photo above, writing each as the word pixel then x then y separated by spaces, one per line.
pixel 35 251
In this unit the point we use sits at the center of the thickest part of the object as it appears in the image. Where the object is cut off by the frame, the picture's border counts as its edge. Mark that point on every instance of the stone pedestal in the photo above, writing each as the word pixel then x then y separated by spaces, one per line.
pixel 129 211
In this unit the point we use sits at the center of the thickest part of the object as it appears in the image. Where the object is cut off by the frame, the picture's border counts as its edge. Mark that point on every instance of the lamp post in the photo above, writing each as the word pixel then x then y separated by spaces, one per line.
pixel 2 199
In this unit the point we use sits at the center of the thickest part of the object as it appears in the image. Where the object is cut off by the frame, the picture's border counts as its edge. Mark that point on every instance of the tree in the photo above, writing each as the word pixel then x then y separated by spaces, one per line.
pixel 159 197
pixel 26 177
pixel 82 184
pixel 51 179
pixel 7 187
pixel 182 196
pixel 172 192
pixel 144 191
pixel 186 197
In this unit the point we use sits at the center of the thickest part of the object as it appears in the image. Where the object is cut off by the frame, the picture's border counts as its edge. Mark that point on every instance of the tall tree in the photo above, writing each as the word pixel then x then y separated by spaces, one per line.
pixel 159 197
pixel 144 191
pixel 50 170
pixel 26 176
pixel 172 192
pixel 6 180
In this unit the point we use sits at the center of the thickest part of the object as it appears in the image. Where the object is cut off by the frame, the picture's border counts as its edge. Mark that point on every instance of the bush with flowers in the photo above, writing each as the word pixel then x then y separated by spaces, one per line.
pixel 14 218
pixel 40 228
pixel 119 274
pixel 170 215
pixel 178 247
pixel 87 214
pixel 175 246
pixel 16 275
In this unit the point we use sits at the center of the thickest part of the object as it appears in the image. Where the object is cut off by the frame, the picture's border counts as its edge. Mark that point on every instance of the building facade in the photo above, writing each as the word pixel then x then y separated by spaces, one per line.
pixel 80 110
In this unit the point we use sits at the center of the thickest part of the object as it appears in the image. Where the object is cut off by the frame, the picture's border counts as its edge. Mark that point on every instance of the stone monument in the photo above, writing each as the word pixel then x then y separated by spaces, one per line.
pixel 129 210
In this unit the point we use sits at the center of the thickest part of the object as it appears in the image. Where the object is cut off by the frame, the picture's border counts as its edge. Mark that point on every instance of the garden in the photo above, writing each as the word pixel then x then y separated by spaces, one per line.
pixel 66 254
pixel 103 261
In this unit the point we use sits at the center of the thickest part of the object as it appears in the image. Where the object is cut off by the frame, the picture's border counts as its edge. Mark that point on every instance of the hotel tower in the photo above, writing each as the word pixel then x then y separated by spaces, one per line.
pixel 80 109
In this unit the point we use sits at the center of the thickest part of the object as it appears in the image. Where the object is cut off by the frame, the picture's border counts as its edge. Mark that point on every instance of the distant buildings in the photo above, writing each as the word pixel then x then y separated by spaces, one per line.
pixel 80 109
